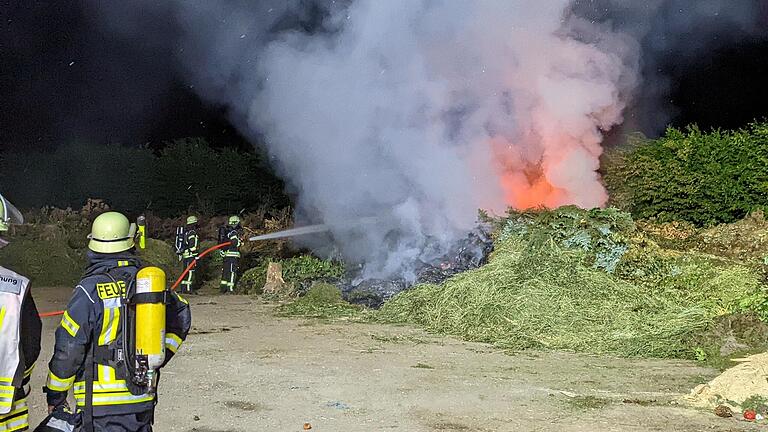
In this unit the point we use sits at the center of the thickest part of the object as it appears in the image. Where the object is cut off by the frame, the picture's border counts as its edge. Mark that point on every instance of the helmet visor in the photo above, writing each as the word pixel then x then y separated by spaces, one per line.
pixel 12 214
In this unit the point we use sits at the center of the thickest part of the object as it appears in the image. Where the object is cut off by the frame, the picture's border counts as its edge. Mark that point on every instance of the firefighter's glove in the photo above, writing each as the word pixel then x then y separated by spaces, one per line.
pixel 55 398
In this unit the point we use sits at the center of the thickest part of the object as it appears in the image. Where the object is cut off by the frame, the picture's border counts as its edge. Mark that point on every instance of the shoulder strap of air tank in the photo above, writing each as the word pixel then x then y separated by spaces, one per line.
pixel 88 373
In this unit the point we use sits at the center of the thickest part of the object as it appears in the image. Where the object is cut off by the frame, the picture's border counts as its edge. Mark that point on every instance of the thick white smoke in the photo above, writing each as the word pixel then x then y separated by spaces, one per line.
pixel 431 110
pixel 420 111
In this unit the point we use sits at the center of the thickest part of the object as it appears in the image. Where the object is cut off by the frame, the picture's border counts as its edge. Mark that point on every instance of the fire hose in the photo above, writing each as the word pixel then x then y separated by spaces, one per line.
pixel 175 284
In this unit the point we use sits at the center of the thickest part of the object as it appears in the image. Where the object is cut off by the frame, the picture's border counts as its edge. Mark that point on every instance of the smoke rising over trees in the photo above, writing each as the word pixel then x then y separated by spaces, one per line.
pixel 425 111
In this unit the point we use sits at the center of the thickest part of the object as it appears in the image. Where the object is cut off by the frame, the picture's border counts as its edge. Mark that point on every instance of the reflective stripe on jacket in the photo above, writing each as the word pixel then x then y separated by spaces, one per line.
pixel 191 243
pixel 233 250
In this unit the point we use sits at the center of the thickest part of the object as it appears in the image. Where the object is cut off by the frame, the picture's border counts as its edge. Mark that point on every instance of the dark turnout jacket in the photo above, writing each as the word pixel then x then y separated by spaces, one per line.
pixel 93 316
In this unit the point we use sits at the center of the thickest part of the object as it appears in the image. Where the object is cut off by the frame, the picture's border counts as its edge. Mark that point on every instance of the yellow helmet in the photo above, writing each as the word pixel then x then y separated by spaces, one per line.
pixel 8 213
pixel 111 233
pixel 191 220
pixel 234 220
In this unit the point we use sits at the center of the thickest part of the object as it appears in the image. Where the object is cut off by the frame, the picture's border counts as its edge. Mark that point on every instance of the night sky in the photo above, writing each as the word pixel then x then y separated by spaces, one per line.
pixel 65 79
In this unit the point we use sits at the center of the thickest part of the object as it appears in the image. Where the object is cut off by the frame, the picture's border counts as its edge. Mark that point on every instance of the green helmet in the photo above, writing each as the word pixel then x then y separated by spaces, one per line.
pixel 234 220
pixel 111 233
pixel 8 214
pixel 191 220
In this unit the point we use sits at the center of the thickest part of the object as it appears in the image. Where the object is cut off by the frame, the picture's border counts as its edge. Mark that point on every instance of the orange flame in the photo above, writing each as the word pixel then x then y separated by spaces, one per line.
pixel 524 183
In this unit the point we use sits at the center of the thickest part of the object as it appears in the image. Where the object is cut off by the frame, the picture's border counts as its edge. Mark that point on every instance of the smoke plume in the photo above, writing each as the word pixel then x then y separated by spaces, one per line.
pixel 418 112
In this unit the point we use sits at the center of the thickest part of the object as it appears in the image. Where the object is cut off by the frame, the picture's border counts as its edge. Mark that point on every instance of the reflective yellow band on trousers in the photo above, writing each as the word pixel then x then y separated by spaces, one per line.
pixel 6 397
pixel 116 398
pixel 17 419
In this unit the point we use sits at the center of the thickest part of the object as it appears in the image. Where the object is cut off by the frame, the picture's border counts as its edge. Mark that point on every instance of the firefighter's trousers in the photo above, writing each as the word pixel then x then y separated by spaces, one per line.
pixel 188 283
pixel 229 274
pixel 141 422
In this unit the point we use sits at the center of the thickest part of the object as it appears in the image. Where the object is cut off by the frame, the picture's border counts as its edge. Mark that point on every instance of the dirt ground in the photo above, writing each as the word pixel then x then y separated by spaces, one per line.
pixel 243 369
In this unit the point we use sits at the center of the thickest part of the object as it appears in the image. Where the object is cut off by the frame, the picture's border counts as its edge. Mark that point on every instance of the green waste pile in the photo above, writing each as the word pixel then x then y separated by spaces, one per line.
pixel 298 272
pixel 322 300
pixel 591 281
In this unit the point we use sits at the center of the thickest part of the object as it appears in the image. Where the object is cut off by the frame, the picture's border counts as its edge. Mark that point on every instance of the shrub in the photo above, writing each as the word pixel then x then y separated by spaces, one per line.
pixel 160 254
pixel 297 271
pixel 690 175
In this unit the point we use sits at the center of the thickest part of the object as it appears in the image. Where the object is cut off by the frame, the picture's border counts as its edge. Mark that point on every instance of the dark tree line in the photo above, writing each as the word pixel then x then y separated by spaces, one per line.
pixel 187 174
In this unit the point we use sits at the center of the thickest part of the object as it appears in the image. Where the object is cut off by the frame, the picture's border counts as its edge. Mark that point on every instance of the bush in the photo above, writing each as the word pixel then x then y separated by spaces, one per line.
pixel 297 271
pixel 702 178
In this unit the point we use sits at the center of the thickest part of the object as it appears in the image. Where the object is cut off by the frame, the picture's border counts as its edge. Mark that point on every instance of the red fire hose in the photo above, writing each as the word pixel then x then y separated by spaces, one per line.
pixel 194 262
pixel 174 286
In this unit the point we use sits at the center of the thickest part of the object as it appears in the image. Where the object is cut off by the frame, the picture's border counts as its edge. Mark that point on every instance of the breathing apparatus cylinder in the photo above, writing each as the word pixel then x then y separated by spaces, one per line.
pixel 150 323
pixel 141 222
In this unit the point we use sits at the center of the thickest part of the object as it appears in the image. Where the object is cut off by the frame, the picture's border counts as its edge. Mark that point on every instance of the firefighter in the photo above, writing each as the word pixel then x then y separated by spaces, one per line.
pixel 189 254
pixel 90 354
pixel 20 329
pixel 230 254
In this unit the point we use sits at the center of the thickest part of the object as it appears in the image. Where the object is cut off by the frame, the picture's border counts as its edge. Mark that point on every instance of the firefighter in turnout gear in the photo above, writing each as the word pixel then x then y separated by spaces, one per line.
pixel 20 329
pixel 230 254
pixel 101 330
pixel 189 253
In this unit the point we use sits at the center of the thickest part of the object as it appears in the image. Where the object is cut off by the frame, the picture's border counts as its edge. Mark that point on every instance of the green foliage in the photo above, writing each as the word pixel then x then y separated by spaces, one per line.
pixel 731 336
pixel 296 270
pixel 186 174
pixel 193 175
pixel 307 267
pixel 703 178
pixel 540 290
pixel 600 233
pixel 321 301
pixel 757 403
pixel 252 280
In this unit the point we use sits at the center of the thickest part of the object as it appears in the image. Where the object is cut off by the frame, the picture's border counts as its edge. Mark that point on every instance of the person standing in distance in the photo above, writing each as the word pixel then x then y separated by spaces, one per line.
pixel 230 254
pixel 189 254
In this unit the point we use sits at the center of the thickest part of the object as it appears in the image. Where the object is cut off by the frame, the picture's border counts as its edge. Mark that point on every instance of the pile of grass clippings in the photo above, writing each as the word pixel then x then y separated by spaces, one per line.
pixel 585 281
pixel 322 300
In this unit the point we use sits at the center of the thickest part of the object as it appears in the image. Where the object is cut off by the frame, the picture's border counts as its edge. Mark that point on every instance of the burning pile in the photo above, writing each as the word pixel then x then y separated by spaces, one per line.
pixel 469 253
pixel 588 281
